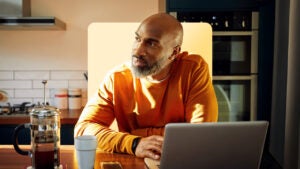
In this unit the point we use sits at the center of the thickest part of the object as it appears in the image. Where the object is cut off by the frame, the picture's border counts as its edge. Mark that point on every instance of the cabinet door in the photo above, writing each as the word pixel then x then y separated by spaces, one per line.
pixel 7 133
pixel 67 134
pixel 211 5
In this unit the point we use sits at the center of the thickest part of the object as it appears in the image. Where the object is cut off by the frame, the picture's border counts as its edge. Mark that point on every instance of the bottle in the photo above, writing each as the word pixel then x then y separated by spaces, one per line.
pixel 74 99
pixel 61 98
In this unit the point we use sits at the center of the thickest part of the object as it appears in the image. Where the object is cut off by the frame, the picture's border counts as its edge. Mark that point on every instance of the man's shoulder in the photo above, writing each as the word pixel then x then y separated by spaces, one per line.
pixel 121 69
pixel 187 58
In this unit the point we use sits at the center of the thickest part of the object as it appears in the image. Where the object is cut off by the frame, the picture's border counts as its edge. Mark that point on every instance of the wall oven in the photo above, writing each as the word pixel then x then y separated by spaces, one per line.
pixel 235 60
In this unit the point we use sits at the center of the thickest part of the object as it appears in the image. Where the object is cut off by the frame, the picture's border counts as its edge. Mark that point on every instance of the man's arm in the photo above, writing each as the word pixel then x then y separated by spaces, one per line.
pixel 144 132
pixel 201 105
pixel 108 140
pixel 96 118
pixel 92 123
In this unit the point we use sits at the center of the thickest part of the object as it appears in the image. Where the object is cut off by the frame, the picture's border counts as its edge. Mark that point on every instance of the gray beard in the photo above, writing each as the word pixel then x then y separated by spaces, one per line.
pixel 147 69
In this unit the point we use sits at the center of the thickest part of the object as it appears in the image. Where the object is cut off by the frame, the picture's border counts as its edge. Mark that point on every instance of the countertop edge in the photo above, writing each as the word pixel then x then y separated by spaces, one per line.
pixel 67 117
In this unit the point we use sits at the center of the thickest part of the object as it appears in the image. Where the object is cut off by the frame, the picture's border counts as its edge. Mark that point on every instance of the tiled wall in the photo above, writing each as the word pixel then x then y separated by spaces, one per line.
pixel 26 86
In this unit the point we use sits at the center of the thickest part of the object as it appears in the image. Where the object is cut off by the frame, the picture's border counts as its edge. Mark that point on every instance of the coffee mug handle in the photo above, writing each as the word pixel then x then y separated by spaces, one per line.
pixel 15 138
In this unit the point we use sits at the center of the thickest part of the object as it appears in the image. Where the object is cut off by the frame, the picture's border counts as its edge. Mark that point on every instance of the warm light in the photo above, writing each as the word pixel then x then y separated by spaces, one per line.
pixel 109 44
pixel 197 39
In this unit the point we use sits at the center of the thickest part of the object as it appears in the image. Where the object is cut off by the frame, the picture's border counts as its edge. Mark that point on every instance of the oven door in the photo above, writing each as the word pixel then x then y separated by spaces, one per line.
pixel 234 53
pixel 236 97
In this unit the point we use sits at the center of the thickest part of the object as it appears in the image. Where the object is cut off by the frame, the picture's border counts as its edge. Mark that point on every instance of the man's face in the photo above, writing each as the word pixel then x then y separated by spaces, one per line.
pixel 151 49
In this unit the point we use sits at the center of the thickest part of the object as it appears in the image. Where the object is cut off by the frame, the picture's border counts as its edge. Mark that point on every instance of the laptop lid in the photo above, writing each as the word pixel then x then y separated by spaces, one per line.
pixel 213 145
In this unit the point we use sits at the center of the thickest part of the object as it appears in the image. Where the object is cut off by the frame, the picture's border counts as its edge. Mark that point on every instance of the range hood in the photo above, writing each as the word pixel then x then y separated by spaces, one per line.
pixel 16 15
pixel 31 23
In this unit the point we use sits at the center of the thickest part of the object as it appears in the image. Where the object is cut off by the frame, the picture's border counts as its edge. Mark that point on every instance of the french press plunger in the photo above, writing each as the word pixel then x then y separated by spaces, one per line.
pixel 45 136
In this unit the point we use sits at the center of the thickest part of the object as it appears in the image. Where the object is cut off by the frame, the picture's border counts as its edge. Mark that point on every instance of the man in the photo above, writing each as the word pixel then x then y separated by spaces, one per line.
pixel 160 86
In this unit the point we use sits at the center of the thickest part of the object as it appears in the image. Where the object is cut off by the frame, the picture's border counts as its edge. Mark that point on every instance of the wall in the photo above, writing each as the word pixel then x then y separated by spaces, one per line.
pixel 60 57
pixel 285 129
pixel 26 85
pixel 281 38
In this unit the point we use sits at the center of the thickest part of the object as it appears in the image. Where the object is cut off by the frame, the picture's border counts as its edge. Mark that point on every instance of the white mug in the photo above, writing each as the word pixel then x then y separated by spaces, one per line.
pixel 85 151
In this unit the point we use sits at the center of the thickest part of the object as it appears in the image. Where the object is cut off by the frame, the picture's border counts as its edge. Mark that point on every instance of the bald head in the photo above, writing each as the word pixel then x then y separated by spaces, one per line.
pixel 157 43
pixel 162 24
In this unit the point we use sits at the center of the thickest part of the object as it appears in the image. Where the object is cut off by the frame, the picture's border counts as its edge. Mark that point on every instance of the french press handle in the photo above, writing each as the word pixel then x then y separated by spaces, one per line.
pixel 15 138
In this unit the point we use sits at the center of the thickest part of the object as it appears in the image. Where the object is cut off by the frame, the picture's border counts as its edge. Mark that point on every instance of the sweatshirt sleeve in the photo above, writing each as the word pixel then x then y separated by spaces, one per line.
pixel 96 118
pixel 144 132
pixel 201 105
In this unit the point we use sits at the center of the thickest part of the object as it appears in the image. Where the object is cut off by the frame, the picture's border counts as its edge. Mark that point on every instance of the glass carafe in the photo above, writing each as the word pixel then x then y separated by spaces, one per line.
pixel 45 137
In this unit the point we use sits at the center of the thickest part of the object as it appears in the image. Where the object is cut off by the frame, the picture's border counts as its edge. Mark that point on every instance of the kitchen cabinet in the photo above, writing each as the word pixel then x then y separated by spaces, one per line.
pixel 212 5
pixel 66 134
pixel 7 133
pixel 68 119
pixel 266 9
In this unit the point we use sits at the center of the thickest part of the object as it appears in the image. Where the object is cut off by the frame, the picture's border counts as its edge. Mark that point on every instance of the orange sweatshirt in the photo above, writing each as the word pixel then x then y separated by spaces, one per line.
pixel 142 108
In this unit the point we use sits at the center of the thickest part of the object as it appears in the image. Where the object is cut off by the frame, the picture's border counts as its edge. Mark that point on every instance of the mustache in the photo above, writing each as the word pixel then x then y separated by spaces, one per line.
pixel 139 57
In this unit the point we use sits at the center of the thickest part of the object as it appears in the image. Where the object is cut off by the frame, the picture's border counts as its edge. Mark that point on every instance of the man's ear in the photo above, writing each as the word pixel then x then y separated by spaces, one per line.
pixel 176 51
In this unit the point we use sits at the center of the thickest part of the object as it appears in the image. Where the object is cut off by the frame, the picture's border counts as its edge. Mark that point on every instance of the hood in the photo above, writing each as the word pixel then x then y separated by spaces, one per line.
pixel 16 14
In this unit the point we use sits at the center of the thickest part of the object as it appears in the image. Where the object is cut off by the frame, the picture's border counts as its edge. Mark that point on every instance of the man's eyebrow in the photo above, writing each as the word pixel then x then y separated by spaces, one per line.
pixel 148 39
pixel 153 40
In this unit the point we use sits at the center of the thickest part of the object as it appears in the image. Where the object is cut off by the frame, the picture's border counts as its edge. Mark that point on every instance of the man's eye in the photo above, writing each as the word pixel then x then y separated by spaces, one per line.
pixel 137 39
pixel 151 43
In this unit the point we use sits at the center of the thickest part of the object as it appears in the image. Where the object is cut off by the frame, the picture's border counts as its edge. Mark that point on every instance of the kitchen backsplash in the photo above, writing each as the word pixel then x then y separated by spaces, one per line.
pixel 26 86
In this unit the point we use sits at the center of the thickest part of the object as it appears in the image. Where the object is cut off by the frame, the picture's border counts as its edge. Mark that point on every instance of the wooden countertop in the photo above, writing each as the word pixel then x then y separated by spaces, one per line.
pixel 68 158
pixel 66 117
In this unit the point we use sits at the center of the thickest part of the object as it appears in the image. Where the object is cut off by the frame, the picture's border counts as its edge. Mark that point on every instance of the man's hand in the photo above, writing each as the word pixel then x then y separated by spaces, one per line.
pixel 150 147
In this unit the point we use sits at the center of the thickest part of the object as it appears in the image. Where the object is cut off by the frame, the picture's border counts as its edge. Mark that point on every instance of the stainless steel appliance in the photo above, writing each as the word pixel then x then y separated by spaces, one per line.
pixel 235 57
pixel 16 14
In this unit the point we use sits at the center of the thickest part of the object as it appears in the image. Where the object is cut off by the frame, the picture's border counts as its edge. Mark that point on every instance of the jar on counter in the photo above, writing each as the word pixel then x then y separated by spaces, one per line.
pixel 74 99
pixel 61 98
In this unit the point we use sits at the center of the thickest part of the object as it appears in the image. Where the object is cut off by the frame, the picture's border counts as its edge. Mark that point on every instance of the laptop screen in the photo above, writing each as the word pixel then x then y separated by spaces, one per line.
pixel 213 145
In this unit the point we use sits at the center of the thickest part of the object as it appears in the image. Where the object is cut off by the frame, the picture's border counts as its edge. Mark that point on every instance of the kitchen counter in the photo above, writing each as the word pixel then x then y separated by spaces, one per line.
pixel 67 117
pixel 8 123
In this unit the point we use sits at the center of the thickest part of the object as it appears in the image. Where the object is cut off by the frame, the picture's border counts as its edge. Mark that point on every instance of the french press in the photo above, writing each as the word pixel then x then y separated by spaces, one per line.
pixel 45 136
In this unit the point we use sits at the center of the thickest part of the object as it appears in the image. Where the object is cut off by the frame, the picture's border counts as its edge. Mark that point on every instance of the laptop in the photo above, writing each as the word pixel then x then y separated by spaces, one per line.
pixel 226 145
